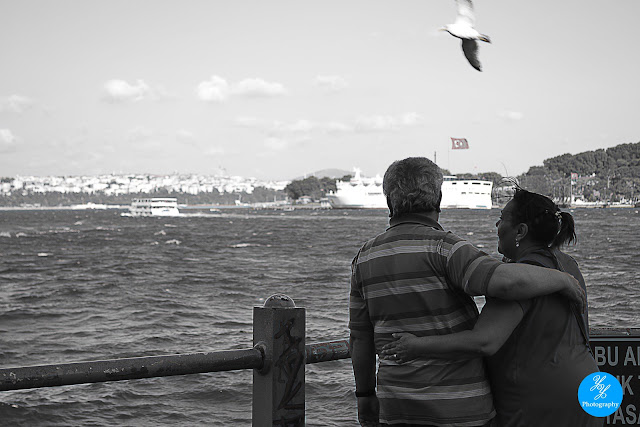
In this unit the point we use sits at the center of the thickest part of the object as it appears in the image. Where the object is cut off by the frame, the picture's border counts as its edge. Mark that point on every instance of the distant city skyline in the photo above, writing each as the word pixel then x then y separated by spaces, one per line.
pixel 134 183
pixel 281 89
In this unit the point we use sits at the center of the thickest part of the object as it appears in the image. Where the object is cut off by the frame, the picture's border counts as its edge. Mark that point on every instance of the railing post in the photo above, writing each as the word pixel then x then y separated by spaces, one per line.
pixel 278 388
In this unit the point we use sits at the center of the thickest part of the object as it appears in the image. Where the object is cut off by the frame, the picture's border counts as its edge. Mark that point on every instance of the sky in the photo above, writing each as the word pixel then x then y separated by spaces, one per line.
pixel 282 88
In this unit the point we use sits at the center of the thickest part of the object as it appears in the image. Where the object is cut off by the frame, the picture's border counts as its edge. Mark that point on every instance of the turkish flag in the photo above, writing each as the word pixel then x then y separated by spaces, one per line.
pixel 459 144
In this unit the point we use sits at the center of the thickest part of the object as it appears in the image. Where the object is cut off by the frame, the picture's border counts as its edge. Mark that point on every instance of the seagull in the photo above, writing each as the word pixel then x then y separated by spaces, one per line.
pixel 463 29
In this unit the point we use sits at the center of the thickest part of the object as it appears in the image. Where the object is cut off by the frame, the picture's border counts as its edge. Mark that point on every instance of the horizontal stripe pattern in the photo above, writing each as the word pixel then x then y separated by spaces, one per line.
pixel 423 323
pixel 434 392
pixel 431 422
pixel 417 278
pixel 395 248
pixel 399 287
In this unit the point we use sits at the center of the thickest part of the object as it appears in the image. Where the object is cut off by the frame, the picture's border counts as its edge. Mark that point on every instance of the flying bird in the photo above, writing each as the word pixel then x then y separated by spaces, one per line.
pixel 463 29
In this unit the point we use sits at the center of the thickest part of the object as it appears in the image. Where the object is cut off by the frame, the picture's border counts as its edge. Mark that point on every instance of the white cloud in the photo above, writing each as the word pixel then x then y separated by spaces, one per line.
pixel 386 123
pixel 410 119
pixel 138 134
pixel 511 115
pixel 305 128
pixel 338 127
pixel 217 89
pixel 369 123
pixel 16 104
pixel 7 140
pixel 276 144
pixel 276 126
pixel 213 151
pixel 185 136
pixel 258 88
pixel 331 83
pixel 121 91
pixel 301 126
pixel 255 123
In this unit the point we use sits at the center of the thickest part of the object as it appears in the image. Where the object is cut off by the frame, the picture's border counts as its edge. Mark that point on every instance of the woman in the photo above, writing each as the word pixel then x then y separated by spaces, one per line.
pixel 537 350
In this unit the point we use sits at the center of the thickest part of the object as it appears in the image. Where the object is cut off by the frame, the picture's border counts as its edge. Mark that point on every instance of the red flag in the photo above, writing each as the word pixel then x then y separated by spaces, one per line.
pixel 459 144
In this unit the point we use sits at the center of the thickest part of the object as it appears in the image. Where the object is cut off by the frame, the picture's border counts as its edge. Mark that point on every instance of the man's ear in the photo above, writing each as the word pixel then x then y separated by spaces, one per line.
pixel 390 207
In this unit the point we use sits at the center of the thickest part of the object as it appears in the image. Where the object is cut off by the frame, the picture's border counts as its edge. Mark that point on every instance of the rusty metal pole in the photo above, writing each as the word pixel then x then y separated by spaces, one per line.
pixel 278 388
pixel 127 369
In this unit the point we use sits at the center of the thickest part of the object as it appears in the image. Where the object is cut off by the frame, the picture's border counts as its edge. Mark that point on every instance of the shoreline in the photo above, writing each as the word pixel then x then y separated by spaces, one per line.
pixel 260 206
pixel 257 206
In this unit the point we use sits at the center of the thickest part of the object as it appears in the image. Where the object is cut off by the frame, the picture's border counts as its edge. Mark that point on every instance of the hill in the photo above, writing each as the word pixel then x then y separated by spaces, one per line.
pixel 326 173
pixel 611 175
pixel 621 161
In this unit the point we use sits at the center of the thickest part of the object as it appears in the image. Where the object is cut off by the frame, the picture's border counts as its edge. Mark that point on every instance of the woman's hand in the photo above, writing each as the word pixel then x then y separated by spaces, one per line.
pixel 574 292
pixel 403 349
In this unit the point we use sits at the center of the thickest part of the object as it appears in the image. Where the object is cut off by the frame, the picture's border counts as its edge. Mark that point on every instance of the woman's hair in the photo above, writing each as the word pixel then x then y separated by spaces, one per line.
pixel 412 185
pixel 547 224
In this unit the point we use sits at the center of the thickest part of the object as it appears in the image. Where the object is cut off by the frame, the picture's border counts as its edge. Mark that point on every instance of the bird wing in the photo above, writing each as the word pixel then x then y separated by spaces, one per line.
pixel 466 16
pixel 470 49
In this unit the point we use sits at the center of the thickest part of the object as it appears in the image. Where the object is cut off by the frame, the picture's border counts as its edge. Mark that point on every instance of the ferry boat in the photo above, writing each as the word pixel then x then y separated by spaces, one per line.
pixel 466 193
pixel 156 206
pixel 360 192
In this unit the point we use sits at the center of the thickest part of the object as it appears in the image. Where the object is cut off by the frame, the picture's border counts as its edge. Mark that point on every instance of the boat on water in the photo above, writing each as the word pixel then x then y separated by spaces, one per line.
pixel 466 193
pixel 89 205
pixel 360 192
pixel 156 206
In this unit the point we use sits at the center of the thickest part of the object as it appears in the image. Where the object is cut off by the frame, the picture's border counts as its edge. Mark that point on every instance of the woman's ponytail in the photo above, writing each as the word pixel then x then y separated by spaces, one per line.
pixel 567 232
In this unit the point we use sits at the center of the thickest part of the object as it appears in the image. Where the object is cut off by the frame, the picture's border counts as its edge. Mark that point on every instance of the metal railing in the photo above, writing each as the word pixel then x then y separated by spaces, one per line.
pixel 154 366
pixel 277 358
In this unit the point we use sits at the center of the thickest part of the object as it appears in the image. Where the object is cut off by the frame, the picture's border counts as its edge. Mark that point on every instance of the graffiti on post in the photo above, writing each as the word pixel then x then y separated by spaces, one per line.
pixel 289 363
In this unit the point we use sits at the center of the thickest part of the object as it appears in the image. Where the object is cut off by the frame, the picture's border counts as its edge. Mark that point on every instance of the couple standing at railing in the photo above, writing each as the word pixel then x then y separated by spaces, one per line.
pixel 519 363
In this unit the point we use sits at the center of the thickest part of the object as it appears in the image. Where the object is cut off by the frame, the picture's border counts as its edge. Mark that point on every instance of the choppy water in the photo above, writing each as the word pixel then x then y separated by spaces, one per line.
pixel 91 285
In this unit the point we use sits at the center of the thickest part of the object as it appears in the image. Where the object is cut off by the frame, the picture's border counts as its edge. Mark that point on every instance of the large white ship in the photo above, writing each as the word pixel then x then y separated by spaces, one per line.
pixel 457 193
pixel 156 206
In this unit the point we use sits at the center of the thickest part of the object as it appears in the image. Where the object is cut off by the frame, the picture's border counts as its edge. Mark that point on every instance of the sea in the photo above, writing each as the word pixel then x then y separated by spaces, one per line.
pixel 81 285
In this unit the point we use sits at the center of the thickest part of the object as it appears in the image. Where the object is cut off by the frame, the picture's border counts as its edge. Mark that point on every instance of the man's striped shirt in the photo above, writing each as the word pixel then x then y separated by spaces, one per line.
pixel 417 278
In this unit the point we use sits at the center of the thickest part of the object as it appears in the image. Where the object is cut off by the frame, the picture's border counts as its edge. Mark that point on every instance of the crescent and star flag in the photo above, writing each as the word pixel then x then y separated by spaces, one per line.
pixel 459 144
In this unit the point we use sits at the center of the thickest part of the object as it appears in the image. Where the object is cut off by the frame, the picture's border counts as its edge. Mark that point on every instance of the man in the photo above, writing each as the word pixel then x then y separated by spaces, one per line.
pixel 415 277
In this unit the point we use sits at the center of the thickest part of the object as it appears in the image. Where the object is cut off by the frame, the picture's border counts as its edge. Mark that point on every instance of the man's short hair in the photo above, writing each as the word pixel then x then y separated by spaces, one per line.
pixel 413 185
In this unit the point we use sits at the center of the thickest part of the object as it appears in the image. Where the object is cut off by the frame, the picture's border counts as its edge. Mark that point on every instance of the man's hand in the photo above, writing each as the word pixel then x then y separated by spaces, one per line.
pixel 574 292
pixel 369 411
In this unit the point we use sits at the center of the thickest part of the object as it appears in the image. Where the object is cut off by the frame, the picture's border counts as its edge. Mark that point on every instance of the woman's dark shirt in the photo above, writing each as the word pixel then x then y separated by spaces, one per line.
pixel 536 374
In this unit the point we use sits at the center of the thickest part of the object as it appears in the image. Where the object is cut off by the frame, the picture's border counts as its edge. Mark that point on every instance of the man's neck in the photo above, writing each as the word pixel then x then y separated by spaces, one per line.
pixel 433 215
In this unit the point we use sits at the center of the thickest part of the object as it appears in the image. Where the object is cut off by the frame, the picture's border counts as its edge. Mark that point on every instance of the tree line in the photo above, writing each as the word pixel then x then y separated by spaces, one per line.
pixel 313 187
pixel 610 175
